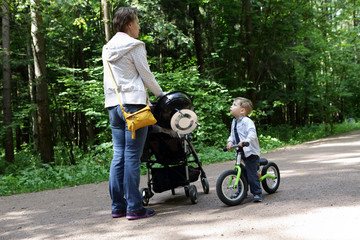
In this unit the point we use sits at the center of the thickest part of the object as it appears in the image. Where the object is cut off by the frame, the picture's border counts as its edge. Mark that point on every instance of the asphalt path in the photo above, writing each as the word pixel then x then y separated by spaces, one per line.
pixel 318 198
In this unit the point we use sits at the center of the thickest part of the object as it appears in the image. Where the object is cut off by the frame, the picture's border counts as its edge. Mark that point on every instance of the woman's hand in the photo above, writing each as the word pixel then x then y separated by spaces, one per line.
pixel 162 94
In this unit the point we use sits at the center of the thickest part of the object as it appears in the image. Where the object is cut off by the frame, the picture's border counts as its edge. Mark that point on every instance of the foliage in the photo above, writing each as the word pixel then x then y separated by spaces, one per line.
pixel 209 155
pixel 35 176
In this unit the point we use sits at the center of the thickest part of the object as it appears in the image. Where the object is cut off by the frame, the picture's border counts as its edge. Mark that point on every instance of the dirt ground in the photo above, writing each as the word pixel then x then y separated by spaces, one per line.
pixel 318 198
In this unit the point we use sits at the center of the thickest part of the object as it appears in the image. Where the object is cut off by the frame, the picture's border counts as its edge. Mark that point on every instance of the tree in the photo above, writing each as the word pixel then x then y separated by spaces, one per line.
pixel 32 93
pixel 8 140
pixel 194 12
pixel 42 98
pixel 107 21
pixel 251 51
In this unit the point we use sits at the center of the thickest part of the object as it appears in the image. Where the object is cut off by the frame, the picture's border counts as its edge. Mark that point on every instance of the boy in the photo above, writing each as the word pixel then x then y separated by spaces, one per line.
pixel 243 130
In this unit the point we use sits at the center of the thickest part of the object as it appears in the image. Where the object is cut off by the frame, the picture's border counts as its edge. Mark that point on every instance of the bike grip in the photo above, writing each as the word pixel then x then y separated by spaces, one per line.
pixel 245 144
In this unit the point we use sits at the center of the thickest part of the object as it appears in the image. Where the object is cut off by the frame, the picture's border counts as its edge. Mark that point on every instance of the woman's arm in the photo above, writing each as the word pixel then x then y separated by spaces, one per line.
pixel 141 64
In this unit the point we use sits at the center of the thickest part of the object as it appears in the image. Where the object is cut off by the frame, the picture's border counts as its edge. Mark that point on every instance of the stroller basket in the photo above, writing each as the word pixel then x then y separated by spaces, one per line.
pixel 172 177
pixel 166 149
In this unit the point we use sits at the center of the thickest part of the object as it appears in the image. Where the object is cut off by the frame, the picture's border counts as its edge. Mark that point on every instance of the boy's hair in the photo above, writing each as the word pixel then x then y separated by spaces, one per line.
pixel 122 17
pixel 245 103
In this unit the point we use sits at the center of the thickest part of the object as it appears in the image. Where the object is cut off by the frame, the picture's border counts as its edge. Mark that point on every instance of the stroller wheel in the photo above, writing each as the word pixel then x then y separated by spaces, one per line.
pixel 205 185
pixel 186 188
pixel 193 194
pixel 146 195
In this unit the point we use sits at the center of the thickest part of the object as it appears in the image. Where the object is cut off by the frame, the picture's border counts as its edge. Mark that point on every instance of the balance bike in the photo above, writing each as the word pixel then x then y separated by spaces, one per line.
pixel 232 181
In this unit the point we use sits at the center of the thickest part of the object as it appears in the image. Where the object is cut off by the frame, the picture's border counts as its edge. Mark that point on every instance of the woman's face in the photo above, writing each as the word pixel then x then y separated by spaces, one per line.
pixel 134 28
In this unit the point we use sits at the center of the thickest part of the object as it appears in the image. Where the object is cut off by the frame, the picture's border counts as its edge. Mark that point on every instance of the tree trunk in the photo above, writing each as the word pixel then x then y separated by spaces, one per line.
pixel 355 24
pixel 195 14
pixel 8 138
pixel 42 98
pixel 32 93
pixel 82 124
pixel 251 78
pixel 107 20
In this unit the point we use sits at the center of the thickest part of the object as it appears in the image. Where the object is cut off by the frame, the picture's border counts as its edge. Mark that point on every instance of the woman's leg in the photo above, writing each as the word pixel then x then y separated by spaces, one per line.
pixel 116 177
pixel 133 151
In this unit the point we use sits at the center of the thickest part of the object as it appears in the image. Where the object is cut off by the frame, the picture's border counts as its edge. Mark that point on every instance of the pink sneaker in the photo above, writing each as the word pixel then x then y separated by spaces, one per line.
pixel 143 213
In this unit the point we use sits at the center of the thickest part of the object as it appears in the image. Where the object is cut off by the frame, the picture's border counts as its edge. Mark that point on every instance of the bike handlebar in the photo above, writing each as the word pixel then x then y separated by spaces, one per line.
pixel 245 144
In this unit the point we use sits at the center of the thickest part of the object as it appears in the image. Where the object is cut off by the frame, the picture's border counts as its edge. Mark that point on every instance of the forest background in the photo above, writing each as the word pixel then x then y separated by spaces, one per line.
pixel 297 60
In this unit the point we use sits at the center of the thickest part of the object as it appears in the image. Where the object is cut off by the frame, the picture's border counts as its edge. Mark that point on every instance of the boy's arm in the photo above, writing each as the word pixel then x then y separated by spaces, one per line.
pixel 252 134
pixel 232 136
pixel 251 131
pixel 230 139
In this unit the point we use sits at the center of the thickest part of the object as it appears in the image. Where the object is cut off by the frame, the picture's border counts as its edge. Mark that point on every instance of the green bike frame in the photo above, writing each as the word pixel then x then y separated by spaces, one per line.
pixel 267 176
pixel 238 169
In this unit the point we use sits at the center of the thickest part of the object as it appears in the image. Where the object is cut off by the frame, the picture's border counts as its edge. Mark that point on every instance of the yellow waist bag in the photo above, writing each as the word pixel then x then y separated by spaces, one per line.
pixel 139 119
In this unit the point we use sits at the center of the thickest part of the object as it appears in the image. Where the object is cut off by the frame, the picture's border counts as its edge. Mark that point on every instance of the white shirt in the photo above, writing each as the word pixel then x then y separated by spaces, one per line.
pixel 247 132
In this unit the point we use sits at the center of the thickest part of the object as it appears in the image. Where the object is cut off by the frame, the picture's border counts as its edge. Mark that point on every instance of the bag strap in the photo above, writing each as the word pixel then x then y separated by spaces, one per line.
pixel 113 80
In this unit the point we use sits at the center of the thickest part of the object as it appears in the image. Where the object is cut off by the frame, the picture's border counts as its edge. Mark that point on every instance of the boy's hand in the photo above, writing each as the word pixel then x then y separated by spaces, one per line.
pixel 241 143
pixel 229 145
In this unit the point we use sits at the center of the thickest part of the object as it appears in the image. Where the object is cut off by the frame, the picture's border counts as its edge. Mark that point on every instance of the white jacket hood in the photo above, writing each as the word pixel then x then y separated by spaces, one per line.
pixel 118 46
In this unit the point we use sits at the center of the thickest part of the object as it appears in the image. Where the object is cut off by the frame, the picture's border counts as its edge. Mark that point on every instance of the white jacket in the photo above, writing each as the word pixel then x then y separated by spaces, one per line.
pixel 128 63
pixel 247 132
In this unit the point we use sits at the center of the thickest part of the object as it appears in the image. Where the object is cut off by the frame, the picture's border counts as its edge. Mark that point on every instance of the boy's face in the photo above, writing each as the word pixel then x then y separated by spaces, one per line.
pixel 236 110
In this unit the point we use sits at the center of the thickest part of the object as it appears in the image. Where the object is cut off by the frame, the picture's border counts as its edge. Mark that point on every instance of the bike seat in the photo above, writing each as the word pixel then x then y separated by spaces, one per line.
pixel 263 161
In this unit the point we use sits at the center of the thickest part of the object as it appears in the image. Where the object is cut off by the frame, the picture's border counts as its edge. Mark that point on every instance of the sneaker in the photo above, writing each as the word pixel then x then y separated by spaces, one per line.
pixel 257 198
pixel 117 214
pixel 143 213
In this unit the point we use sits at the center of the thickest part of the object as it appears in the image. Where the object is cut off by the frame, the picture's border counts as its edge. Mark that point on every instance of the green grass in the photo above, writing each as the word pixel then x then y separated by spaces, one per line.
pixel 28 174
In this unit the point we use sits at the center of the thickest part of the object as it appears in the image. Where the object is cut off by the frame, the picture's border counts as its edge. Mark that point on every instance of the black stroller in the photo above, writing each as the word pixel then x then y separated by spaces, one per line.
pixel 168 150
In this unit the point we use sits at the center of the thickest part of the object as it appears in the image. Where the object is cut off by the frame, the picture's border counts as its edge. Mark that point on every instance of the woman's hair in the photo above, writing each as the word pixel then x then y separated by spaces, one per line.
pixel 245 103
pixel 122 17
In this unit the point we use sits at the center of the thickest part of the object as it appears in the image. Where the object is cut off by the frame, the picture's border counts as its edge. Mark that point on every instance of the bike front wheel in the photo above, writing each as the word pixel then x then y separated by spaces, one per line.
pixel 226 190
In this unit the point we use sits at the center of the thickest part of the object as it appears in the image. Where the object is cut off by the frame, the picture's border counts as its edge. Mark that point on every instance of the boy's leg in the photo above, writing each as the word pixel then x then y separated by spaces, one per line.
pixel 252 165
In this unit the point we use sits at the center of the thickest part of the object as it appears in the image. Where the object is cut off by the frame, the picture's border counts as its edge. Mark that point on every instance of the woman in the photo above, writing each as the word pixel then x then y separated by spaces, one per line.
pixel 127 59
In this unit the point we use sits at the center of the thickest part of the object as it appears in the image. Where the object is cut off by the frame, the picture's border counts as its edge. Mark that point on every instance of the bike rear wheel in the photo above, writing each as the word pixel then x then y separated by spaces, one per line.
pixel 226 190
pixel 271 184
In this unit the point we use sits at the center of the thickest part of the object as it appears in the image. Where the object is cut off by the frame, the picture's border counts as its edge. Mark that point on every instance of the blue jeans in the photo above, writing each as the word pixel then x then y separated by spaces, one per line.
pixel 252 165
pixel 124 178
